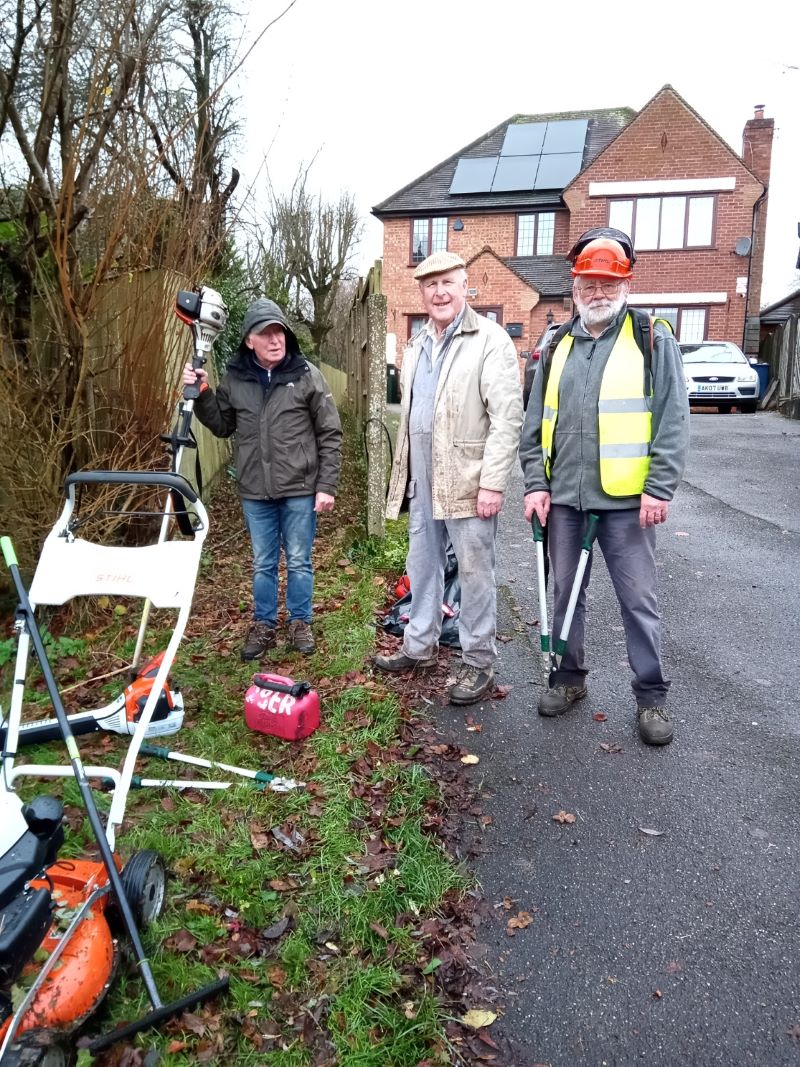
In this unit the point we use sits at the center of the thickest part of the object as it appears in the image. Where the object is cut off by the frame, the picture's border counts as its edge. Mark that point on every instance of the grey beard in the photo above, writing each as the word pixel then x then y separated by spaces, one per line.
pixel 600 314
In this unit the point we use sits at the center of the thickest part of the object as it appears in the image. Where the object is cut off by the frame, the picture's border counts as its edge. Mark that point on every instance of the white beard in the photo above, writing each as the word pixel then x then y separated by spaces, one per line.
pixel 600 314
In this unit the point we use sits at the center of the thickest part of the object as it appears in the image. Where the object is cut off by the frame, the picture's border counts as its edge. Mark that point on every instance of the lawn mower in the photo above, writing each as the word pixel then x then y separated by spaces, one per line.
pixel 204 312
pixel 61 920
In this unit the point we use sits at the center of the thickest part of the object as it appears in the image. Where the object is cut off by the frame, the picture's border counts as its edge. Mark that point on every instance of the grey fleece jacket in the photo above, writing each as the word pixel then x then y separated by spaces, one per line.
pixel 575 469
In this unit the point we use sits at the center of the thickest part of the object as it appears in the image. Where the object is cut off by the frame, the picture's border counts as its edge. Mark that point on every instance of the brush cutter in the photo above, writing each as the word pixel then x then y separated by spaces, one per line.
pixel 552 656
pixel 118 717
pixel 204 312
pixel 67 912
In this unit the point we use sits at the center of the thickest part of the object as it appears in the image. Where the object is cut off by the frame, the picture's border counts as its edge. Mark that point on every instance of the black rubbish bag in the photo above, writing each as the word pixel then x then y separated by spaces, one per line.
pixel 394 621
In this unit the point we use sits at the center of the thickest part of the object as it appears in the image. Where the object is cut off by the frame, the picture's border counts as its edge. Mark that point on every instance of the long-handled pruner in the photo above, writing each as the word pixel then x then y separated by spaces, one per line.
pixel 552 656
pixel 548 656
pixel 586 550
pixel 262 778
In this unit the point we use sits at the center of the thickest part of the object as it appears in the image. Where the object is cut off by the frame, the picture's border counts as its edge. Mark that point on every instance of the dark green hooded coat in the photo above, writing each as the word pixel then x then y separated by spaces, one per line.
pixel 288 438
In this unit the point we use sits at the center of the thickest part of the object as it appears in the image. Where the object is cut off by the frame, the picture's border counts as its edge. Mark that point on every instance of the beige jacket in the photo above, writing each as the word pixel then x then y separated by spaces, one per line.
pixel 477 419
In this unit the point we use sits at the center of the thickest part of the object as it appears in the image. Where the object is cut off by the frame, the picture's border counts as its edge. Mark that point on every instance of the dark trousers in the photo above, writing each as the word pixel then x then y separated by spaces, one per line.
pixel 629 553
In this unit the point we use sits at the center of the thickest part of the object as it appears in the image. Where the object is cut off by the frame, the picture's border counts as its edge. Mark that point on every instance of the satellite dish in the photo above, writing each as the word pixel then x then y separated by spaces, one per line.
pixel 743 246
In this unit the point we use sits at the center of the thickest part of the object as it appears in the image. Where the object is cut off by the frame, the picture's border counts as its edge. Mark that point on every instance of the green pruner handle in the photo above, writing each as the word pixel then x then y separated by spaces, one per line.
pixel 538 529
pixel 591 531
pixel 9 555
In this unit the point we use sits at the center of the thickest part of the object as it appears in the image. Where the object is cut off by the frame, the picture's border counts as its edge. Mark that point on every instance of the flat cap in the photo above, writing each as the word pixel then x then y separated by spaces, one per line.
pixel 438 263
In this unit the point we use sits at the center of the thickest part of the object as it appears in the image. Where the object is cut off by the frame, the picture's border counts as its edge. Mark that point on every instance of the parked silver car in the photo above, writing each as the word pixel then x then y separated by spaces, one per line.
pixel 718 374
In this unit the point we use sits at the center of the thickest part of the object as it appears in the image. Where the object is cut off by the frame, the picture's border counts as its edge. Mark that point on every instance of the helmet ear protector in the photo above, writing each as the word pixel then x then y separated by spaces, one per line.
pixel 598 232
pixel 603 257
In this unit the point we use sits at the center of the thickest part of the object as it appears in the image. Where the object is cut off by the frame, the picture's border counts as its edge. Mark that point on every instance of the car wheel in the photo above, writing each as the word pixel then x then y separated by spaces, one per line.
pixel 749 407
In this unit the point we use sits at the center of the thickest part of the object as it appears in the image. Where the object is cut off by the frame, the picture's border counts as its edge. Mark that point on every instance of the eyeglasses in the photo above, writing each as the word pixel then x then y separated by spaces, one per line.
pixel 606 288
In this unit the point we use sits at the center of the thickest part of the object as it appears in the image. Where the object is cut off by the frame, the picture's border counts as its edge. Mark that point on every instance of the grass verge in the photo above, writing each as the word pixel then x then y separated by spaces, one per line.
pixel 320 904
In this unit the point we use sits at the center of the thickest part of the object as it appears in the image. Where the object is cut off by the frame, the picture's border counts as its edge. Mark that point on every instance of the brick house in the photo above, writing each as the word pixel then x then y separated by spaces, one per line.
pixel 513 202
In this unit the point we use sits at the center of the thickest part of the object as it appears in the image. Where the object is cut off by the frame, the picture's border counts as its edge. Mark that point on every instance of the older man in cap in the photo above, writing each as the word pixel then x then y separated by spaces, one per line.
pixel 606 432
pixel 460 421
pixel 288 454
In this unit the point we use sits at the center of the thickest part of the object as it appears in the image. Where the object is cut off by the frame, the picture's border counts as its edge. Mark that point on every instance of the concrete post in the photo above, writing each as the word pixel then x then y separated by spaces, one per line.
pixel 377 452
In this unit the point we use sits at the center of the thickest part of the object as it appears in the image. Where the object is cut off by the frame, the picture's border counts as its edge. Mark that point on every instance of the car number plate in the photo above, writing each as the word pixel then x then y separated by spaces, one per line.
pixel 714 388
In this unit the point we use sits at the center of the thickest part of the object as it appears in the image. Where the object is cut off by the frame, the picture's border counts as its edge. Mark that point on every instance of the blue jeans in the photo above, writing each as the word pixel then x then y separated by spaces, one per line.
pixel 291 522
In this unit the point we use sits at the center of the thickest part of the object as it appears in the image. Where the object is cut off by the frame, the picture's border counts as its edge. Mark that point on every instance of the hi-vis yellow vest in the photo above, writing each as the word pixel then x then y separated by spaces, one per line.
pixel 623 416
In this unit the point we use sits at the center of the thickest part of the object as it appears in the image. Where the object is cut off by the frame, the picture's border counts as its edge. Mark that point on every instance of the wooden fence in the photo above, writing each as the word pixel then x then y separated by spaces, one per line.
pixel 365 367
pixel 782 351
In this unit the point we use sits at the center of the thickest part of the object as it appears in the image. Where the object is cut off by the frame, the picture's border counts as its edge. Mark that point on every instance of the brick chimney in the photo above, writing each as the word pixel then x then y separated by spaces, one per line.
pixel 757 156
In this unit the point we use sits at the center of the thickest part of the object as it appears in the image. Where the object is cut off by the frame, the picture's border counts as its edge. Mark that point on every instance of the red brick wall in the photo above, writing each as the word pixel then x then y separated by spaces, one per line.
pixel 496 284
pixel 667 140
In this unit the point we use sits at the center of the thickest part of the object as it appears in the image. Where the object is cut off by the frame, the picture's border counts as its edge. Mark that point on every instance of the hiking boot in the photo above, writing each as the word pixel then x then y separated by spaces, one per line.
pixel 399 661
pixel 472 684
pixel 260 637
pixel 560 699
pixel 300 636
pixel 655 726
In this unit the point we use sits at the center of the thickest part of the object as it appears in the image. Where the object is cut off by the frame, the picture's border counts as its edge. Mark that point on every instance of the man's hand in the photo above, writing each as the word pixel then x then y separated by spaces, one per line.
pixel 652 511
pixel 538 502
pixel 489 503
pixel 324 502
pixel 190 375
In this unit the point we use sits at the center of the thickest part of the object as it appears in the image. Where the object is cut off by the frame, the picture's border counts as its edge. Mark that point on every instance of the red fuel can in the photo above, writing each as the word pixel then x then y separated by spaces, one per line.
pixel 281 707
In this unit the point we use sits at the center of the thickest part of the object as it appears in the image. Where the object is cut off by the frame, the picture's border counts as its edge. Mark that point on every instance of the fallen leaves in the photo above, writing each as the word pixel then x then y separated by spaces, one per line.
pixel 600 716
pixel 477 1019
pixel 564 817
pixel 612 747
pixel 518 922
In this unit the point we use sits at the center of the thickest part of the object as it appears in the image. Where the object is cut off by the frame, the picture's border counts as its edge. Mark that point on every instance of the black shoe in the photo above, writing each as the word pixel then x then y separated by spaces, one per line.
pixel 472 684
pixel 300 636
pixel 399 661
pixel 560 698
pixel 655 726
pixel 260 638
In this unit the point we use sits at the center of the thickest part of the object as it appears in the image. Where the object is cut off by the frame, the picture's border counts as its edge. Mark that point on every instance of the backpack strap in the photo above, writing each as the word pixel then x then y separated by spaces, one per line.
pixel 643 331
pixel 547 353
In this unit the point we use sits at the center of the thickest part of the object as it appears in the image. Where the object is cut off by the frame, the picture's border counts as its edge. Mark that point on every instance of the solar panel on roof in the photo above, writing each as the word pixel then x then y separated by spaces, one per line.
pixel 558 170
pixel 568 135
pixel 524 139
pixel 515 173
pixel 474 175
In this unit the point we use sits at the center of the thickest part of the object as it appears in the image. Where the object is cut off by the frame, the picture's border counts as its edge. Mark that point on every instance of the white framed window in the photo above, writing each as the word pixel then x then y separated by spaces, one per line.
pixel 662 222
pixel 427 236
pixel 535 234
pixel 415 324
pixel 688 324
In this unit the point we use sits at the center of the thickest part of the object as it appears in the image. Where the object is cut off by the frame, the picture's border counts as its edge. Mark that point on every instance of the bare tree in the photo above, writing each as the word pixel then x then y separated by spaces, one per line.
pixel 315 242
pixel 83 205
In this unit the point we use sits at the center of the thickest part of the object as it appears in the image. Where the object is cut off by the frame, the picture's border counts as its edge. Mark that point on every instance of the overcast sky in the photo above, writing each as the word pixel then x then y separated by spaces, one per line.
pixel 383 91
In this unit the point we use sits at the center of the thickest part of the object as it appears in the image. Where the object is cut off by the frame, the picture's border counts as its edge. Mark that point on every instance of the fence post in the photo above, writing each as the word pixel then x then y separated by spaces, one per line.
pixel 376 415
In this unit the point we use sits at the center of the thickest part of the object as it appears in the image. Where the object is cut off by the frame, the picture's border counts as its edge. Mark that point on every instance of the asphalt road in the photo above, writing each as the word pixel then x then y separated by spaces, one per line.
pixel 681 948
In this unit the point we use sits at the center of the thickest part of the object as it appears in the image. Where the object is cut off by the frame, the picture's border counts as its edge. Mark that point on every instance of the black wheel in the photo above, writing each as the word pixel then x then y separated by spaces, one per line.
pixel 144 879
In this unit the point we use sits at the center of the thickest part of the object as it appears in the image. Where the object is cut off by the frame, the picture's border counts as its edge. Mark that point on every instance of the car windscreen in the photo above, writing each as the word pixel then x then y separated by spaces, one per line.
pixel 712 354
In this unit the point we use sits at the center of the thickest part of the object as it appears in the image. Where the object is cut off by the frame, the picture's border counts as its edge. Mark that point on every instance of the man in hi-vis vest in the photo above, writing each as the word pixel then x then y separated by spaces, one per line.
pixel 607 431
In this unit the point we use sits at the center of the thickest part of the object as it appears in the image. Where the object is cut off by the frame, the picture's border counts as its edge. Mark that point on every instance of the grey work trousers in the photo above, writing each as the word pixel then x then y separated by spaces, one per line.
pixel 629 553
pixel 473 541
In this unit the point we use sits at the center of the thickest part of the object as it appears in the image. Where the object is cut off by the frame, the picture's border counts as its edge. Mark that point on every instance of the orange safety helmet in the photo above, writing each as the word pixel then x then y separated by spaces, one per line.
pixel 605 258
